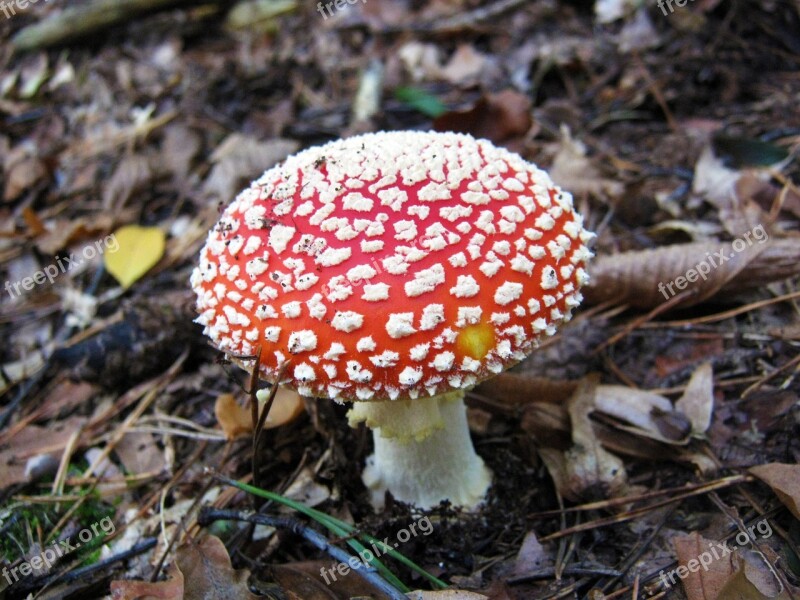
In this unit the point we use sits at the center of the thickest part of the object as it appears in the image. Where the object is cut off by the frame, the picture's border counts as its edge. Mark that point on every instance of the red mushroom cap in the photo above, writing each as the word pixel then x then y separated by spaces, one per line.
pixel 392 264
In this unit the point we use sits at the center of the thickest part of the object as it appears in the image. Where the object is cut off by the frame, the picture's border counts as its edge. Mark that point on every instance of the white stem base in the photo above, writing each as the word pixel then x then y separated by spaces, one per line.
pixel 441 466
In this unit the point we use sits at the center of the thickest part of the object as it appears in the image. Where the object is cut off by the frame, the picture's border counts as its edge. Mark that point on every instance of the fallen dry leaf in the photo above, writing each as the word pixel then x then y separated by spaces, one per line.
pixel 515 389
pixel 633 278
pixel 202 571
pixel 208 573
pixel 496 117
pixel 731 189
pixel 236 420
pixel 634 413
pixel 754 579
pixel 699 583
pixel 648 414
pixel 304 580
pixel 132 174
pixel 586 470
pixel 685 354
pixel 180 147
pixel 61 234
pixel 784 481
pixel 531 557
pixel 420 61
pixel 574 171
pixel 767 195
pixel 548 424
pixel 23 170
pixel 715 181
pixel 171 589
pixel 697 402
pixel 306 490
pixel 465 65
pixel 139 249
pixel 240 159
pixel 139 453
pixel 33 441
pixel 766 409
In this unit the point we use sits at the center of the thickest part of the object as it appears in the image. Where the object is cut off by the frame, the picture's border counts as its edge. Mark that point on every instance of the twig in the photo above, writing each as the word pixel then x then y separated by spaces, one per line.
pixel 209 515
pixel 632 514
pixel 723 315
pixel 569 571
pixel 683 492
pixel 75 574
pixel 769 376
pixel 78 21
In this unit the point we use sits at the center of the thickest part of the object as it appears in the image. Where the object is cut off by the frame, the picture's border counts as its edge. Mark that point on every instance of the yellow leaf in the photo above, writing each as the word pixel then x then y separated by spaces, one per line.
pixel 138 250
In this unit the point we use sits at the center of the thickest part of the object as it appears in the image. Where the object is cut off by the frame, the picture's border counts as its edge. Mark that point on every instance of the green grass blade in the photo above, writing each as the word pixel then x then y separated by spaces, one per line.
pixel 343 530
pixel 335 526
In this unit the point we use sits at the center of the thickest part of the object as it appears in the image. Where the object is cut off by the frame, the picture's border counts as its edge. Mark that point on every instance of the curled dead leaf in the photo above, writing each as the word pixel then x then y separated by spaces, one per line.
pixel 633 278
pixel 647 414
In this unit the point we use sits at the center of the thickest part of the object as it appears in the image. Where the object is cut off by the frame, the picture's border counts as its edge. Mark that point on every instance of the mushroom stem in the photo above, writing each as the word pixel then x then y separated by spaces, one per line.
pixel 423 452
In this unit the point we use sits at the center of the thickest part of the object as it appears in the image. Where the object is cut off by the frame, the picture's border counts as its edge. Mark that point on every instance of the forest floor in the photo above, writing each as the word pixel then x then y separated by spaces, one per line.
pixel 652 434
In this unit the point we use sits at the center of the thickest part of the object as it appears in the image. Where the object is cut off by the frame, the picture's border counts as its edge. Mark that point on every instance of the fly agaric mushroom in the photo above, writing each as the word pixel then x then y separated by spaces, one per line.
pixel 396 270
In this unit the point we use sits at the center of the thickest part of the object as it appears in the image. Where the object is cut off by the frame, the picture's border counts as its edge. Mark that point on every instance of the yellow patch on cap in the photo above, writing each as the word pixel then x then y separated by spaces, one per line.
pixel 476 340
